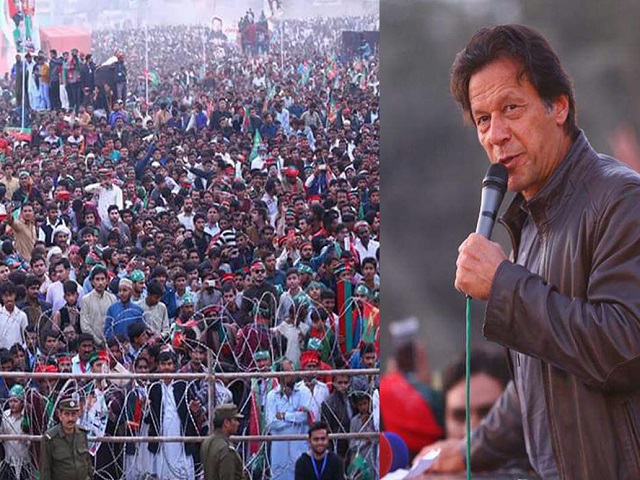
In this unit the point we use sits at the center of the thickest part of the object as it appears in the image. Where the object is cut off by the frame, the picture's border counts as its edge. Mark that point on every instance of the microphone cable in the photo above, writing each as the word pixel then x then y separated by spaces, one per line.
pixel 467 385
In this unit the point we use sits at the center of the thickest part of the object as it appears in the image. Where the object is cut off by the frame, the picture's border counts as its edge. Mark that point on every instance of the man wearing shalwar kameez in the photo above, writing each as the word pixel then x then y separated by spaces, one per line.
pixel 287 412
pixel 174 411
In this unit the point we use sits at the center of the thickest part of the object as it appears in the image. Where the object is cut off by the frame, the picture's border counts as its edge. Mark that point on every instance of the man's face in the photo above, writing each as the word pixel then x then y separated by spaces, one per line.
pixel 153 300
pixel 258 274
pixel 229 297
pixel 85 349
pixel 50 344
pixel 99 282
pixel 270 262
pixel 60 239
pixel 32 292
pixel 64 365
pixel 516 127
pixel 319 440
pixel 138 287
pixel 69 333
pixel 52 213
pixel 369 360
pixel 71 298
pixel 293 281
pixel 116 352
pixel 9 300
pixel 329 304
pixel 125 294
pixel 368 271
pixel 485 390
pixel 197 356
pixel 114 216
pixel 306 252
pixel 166 366
pixel 62 274
pixel 68 418
pixel 213 215
pixel 27 213
pixel 199 225
pixel 4 273
pixel 263 364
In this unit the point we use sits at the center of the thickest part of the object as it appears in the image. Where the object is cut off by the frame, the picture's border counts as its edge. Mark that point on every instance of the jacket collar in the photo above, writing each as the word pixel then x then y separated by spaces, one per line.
pixel 554 193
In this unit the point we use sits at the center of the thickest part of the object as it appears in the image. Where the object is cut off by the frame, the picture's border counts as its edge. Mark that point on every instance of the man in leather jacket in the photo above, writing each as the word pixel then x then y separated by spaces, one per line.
pixel 567 303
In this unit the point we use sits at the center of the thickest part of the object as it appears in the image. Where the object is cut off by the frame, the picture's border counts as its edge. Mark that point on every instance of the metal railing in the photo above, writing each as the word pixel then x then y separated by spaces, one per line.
pixel 210 376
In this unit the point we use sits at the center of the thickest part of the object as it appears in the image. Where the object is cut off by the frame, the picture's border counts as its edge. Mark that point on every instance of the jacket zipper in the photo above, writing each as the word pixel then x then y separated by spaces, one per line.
pixel 634 432
pixel 552 426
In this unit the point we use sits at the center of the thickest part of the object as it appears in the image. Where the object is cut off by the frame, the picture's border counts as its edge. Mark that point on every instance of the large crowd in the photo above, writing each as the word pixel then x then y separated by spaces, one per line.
pixel 218 208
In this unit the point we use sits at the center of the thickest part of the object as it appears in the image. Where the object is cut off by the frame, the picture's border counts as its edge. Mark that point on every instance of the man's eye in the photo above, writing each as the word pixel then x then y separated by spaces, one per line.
pixel 482 120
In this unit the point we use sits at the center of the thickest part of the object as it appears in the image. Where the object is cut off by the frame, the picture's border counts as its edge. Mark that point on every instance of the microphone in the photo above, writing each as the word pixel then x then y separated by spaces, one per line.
pixel 494 186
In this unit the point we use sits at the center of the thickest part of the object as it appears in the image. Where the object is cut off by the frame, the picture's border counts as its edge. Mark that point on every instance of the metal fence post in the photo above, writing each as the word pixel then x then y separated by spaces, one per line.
pixel 211 390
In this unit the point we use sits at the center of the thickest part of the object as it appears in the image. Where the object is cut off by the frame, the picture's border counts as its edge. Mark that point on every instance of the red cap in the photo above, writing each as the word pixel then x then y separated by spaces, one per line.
pixel 63 195
pixel 308 357
pixel 257 264
pixel 40 368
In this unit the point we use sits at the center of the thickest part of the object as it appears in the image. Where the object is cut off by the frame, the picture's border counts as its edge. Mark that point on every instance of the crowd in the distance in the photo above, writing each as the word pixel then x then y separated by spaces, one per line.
pixel 232 218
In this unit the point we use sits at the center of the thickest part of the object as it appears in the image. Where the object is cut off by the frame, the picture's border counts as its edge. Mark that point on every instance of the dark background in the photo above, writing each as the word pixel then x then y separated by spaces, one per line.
pixel 432 164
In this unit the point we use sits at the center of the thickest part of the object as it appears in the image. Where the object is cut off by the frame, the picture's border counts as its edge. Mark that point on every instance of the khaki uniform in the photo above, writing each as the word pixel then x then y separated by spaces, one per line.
pixel 220 459
pixel 65 458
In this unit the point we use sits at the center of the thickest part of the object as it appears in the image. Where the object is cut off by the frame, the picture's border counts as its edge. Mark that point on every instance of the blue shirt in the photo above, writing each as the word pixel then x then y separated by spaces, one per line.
pixel 119 317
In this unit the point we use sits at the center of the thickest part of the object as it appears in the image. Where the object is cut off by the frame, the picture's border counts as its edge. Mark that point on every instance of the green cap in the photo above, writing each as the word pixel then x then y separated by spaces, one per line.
pixel 261 355
pixel 17 391
pixel 136 276
pixel 362 289
pixel 187 299
pixel 69 404
pixel 304 268
pixel 314 344
pixel 227 410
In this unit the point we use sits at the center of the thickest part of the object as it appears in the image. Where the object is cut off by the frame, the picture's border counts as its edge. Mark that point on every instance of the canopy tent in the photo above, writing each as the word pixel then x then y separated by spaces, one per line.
pixel 64 38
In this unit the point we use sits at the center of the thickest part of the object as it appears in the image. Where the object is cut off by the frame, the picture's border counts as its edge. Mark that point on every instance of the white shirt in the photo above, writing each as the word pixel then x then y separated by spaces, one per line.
pixel 16 452
pixel 368 251
pixel 319 394
pixel 106 197
pixel 212 230
pixel 55 296
pixel 186 220
pixel 12 327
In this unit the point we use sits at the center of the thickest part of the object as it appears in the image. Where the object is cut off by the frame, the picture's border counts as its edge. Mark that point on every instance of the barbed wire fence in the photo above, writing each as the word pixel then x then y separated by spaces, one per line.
pixel 117 411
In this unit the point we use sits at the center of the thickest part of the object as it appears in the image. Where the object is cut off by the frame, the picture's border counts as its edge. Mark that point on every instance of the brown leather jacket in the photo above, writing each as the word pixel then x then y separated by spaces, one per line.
pixel 576 307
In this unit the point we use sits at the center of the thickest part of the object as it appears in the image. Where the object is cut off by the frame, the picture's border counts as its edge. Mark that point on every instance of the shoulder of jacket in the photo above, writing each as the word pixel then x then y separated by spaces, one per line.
pixel 52 432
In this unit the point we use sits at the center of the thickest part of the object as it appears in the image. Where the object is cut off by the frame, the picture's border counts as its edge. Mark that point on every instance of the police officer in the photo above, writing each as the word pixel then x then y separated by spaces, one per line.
pixel 220 459
pixel 63 450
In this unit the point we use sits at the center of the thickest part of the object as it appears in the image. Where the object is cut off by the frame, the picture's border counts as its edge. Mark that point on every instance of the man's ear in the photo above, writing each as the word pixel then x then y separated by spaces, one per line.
pixel 560 109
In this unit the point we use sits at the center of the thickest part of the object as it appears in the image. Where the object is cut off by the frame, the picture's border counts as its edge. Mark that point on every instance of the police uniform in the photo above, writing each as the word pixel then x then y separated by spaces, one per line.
pixel 65 457
pixel 220 459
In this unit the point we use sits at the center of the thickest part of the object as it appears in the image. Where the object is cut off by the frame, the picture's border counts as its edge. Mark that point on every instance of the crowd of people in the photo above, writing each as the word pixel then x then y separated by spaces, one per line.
pixel 230 221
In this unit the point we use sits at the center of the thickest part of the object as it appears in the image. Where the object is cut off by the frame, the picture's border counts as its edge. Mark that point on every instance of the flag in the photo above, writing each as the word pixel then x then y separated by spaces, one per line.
pixel 345 307
pixel 304 69
pixel 19 134
pixel 152 77
pixel 246 122
pixel 331 114
pixel 257 140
